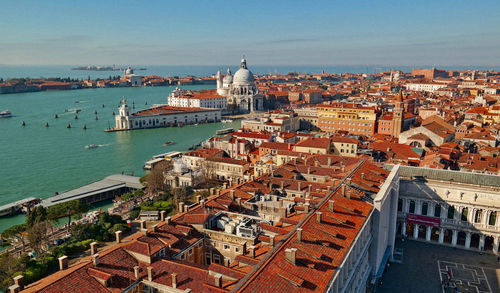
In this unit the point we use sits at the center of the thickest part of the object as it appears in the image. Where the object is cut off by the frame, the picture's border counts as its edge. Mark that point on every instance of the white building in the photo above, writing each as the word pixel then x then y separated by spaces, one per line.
pixel 240 90
pixel 162 116
pixel 199 99
pixel 457 209
pixel 134 79
pixel 425 87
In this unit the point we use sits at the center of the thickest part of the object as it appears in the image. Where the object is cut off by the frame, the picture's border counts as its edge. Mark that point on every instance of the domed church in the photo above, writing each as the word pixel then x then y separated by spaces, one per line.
pixel 240 91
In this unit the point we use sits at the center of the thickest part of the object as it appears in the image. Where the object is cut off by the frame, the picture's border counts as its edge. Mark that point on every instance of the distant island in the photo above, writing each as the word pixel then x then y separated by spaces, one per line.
pixel 101 68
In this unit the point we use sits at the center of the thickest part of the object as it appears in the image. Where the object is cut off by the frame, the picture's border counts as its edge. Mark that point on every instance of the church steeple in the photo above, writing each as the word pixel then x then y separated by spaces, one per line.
pixel 398 115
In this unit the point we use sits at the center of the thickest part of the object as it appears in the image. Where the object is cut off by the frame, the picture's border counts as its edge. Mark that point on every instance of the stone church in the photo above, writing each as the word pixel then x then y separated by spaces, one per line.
pixel 240 91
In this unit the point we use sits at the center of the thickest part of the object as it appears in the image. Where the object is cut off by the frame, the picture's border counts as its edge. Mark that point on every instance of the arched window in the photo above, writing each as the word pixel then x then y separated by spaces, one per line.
pixel 425 207
pixel 493 218
pixel 477 217
pixel 412 207
pixel 465 212
pixel 451 212
pixel 437 210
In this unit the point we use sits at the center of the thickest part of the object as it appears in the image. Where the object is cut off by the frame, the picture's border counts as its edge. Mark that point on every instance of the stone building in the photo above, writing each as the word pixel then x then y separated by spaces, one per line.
pixel 242 94
pixel 458 209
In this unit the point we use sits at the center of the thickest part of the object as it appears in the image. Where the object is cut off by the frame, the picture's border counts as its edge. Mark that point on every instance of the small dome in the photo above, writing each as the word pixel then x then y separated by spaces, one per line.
pixel 129 71
pixel 243 76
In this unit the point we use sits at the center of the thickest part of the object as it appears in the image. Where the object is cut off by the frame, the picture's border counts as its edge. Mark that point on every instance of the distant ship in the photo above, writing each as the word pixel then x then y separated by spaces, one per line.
pixel 5 114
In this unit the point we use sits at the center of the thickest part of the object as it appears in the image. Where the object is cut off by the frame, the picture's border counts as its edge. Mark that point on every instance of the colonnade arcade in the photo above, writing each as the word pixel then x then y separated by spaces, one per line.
pixel 463 226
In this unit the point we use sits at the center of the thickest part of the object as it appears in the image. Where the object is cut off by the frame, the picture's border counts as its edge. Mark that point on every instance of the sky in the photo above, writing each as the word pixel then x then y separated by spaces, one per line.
pixel 273 32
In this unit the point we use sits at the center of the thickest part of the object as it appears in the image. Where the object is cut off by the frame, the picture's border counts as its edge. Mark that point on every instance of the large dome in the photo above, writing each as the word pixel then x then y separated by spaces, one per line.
pixel 243 76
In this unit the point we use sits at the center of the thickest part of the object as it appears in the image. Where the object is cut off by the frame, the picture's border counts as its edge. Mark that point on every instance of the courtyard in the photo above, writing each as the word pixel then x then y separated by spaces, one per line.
pixel 429 268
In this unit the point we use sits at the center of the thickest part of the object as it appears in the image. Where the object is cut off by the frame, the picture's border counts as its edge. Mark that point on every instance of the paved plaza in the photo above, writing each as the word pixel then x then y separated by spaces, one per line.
pixel 431 268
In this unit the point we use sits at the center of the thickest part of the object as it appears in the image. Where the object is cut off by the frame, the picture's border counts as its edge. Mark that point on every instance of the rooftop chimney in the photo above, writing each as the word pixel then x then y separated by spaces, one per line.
pixel 331 205
pixel 150 273
pixel 19 281
pixel 342 189
pixel 348 181
pixel 251 250
pixel 143 224
pixel 308 170
pixel 299 234
pixel 298 186
pixel 309 188
pixel 63 262
pixel 118 235
pixel 198 198
pixel 167 220
pixel 231 192
pixel 282 184
pixel 136 272
pixel 272 240
pixel 93 248
pixel 174 280
pixel 163 214
pixel 155 228
pixel 181 207
pixel 362 176
pixel 14 289
pixel 95 259
pixel 306 207
pixel 329 161
pixel 202 203
pixel 218 280
pixel 290 255
pixel 318 217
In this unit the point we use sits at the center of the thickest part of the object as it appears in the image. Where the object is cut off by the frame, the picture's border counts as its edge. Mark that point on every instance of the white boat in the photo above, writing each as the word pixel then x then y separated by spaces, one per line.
pixel 226 121
pixel 224 131
pixel 5 114
pixel 91 146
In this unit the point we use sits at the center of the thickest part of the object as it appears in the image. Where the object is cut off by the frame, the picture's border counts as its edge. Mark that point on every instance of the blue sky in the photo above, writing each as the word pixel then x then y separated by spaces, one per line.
pixel 215 32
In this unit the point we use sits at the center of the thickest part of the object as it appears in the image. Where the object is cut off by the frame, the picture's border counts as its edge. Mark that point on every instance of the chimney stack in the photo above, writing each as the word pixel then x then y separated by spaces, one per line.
pixel 331 205
pixel 290 255
pixel 218 280
pixel 329 161
pixel 95 259
pixel 306 207
pixel 282 184
pixel 308 170
pixel 14 289
pixel 298 186
pixel 167 220
pixel 136 272
pixel 231 192
pixel 202 203
pixel 118 235
pixel 362 176
pixel 198 198
pixel 272 240
pixel 252 251
pixel 93 248
pixel 155 228
pixel 343 189
pixel 150 273
pixel 174 280
pixel 318 217
pixel 309 188
pixel 181 207
pixel 63 262
pixel 19 281
pixel 163 214
pixel 299 234
pixel 143 224
pixel 348 181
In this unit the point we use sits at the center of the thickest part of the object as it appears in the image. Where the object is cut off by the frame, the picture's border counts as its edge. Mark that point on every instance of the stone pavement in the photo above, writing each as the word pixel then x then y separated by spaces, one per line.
pixel 426 265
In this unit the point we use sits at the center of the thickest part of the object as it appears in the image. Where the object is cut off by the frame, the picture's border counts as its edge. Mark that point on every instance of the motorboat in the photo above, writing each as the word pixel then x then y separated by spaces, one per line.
pixel 91 146
pixel 5 114
pixel 168 143
pixel 226 121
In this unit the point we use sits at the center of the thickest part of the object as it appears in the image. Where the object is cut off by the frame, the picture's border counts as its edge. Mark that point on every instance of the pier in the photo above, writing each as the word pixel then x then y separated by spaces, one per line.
pixel 105 189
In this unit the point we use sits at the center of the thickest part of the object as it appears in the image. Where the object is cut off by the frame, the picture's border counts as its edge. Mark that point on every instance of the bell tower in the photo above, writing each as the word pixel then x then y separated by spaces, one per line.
pixel 397 115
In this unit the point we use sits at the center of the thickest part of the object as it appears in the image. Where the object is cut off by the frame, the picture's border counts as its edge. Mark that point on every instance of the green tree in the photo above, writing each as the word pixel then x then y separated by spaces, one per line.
pixel 37 236
pixel 155 181
pixel 37 214
pixel 67 209
pixel 9 266
pixel 17 232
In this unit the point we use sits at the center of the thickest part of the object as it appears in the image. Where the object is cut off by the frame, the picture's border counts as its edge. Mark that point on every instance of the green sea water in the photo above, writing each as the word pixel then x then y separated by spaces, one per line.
pixel 37 161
